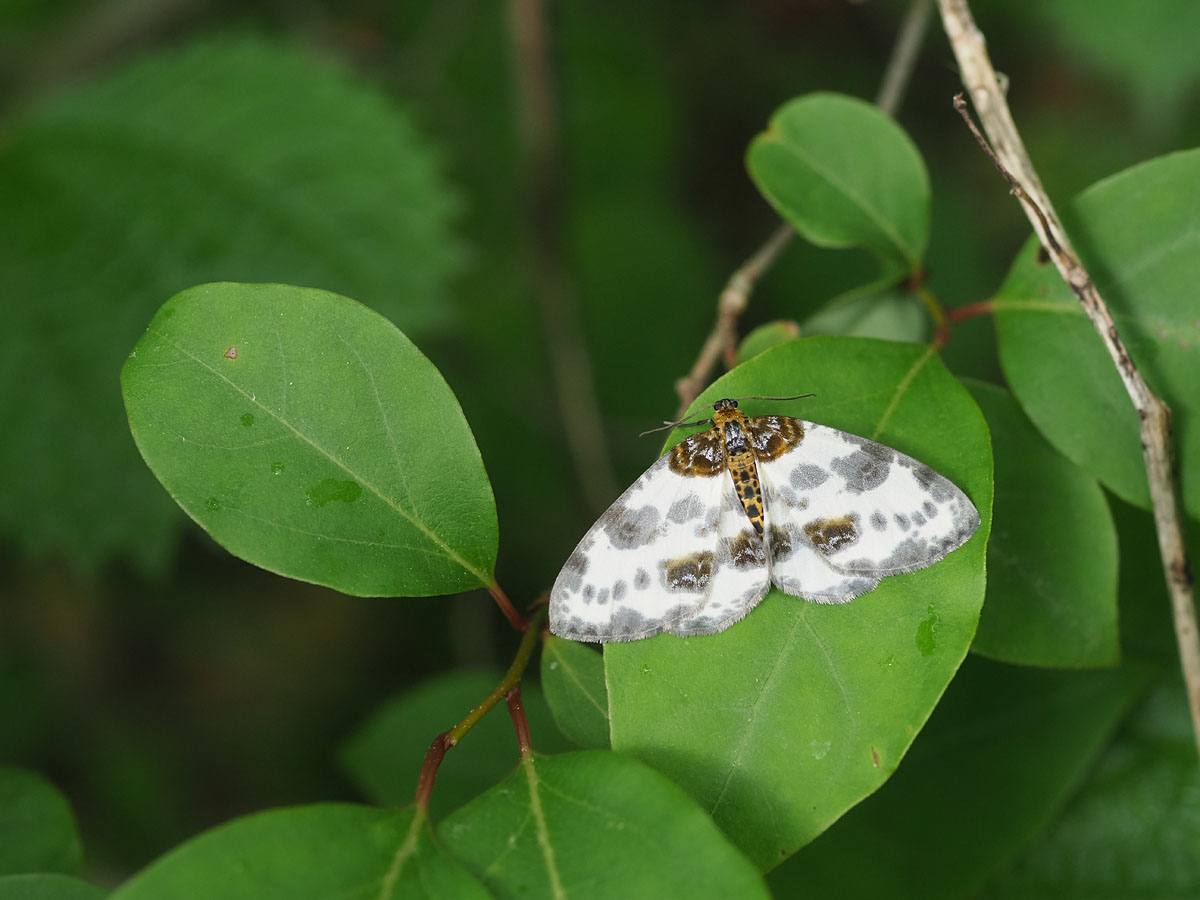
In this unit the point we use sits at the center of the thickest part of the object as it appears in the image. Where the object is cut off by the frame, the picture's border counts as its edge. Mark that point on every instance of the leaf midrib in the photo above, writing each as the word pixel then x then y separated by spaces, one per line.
pixel 875 216
pixel 417 523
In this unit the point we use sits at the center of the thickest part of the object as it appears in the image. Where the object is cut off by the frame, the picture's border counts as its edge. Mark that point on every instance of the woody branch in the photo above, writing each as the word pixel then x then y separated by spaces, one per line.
pixel 1154 417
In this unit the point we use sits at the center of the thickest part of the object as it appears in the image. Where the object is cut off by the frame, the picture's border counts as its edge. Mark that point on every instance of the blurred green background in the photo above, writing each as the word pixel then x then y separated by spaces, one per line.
pixel 375 149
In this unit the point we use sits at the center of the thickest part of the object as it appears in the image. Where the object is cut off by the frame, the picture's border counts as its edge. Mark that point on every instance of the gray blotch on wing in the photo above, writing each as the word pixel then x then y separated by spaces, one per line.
pixel 626 624
pixel 807 476
pixel 917 552
pixel 629 528
pixel 863 470
pixel 685 509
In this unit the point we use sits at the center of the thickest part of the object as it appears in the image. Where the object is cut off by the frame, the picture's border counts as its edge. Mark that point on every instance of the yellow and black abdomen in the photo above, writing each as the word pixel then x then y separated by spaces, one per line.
pixel 739 458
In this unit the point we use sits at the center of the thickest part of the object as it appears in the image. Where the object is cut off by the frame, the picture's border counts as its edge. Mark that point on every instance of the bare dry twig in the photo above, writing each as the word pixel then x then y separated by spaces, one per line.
pixel 1154 417
pixel 730 306
pixel 734 298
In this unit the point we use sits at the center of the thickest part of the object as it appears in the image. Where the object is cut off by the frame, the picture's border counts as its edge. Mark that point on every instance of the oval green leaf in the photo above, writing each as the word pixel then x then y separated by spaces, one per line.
pixel 308 436
pixel 37 828
pixel 236 159
pixel 309 853
pixel 785 720
pixel 1138 233
pixel 384 755
pixel 889 313
pixel 764 337
pixel 573 677
pixel 843 174
pixel 1052 556
pixel 1000 754
pixel 579 824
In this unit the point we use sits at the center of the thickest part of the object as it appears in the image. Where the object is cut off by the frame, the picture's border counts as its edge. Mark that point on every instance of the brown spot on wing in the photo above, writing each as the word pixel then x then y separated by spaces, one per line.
pixel 690 573
pixel 699 456
pixel 773 436
pixel 831 535
pixel 746 551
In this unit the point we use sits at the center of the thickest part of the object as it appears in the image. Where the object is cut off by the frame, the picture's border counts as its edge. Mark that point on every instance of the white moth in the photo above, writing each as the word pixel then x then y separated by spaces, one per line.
pixel 695 543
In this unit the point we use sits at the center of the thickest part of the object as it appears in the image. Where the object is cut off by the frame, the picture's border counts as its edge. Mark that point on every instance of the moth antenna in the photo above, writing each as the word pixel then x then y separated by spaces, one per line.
pixel 680 424
pixel 797 397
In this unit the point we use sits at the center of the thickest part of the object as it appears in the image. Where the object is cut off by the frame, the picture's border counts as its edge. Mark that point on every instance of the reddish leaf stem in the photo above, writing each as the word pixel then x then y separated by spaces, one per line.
pixel 520 723
pixel 518 621
pixel 510 682
pixel 969 311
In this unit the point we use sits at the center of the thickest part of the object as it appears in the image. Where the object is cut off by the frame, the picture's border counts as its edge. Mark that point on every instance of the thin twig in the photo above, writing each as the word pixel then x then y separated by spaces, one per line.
pixel 1154 417
pixel 510 682
pixel 730 306
pixel 569 358
pixel 722 340
pixel 904 56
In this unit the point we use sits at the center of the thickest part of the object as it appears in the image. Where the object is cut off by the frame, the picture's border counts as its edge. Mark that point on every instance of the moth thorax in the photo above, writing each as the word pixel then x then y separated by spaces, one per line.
pixel 735 439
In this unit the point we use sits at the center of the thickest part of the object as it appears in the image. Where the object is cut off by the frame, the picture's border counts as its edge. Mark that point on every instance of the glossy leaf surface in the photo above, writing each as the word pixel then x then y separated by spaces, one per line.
pixel 309 853
pixel 37 828
pixel 997 760
pixel 581 824
pixel 573 677
pixel 1052 556
pixel 1133 828
pixel 48 887
pixel 310 437
pixel 1139 235
pixel 844 174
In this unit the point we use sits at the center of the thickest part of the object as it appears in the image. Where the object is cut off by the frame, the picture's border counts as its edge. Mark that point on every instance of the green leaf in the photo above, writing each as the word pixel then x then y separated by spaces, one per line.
pixel 308 436
pixel 890 314
pixel 1147 626
pixel 1139 235
pixel 764 337
pixel 384 755
pixel 48 887
pixel 579 824
pixel 996 761
pixel 1133 829
pixel 782 722
pixel 231 160
pixel 573 677
pixel 843 174
pixel 317 852
pixel 37 829
pixel 1052 556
